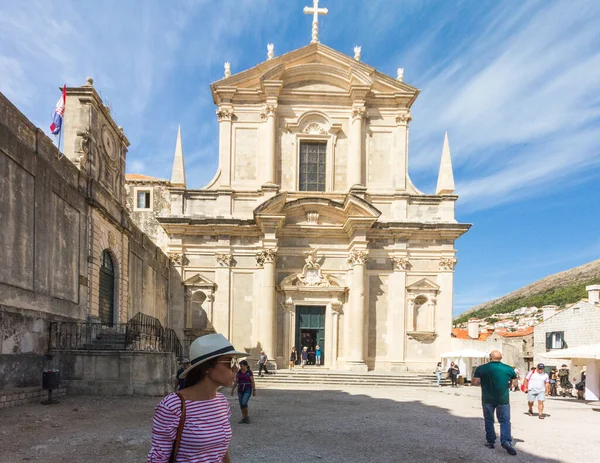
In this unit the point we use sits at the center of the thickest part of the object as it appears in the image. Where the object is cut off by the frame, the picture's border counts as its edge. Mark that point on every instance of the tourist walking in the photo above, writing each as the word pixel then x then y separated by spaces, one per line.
pixel 262 363
pixel 580 386
pixel 438 373
pixel 318 355
pixel 495 378
pixel 515 382
pixel 244 382
pixel 537 385
pixel 453 373
pixel 193 424
pixel 185 364
pixel 565 384
pixel 304 356
pixel 553 381
pixel 293 358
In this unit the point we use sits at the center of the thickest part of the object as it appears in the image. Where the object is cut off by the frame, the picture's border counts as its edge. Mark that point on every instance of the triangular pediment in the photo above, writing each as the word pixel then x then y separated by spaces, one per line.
pixel 199 281
pixel 424 284
pixel 315 68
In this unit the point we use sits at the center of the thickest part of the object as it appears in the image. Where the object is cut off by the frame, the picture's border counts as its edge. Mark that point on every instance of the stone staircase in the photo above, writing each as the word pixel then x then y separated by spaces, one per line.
pixel 106 341
pixel 323 377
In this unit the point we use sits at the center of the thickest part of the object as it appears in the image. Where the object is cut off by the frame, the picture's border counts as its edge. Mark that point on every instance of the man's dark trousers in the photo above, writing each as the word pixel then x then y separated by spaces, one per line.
pixel 503 415
pixel 261 367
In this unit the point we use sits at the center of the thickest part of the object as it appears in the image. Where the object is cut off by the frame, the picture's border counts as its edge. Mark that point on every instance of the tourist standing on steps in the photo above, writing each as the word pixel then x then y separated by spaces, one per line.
pixel 304 356
pixel 438 373
pixel 318 355
pixel 244 381
pixel 193 424
pixel 293 358
pixel 262 363
pixel 537 385
pixel 453 373
pixel 495 379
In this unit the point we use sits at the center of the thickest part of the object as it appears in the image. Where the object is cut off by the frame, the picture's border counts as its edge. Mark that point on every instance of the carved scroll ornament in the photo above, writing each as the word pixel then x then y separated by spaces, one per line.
pixel 448 263
pixel 400 263
pixel 224 259
pixel 268 255
pixel 358 257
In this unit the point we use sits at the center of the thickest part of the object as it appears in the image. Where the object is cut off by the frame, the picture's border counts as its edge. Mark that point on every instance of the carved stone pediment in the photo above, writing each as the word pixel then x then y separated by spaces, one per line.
pixel 423 285
pixel 201 282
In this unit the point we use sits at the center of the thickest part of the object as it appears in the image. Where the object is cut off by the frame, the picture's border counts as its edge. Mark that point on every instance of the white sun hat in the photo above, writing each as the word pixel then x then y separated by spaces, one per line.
pixel 209 347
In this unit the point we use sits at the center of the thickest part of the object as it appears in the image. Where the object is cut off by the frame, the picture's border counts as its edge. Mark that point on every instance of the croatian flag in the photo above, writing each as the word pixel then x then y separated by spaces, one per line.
pixel 59 112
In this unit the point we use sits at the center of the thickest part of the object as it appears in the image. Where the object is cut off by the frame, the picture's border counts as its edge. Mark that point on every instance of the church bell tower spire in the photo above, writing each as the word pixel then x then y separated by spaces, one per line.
pixel 178 175
pixel 445 183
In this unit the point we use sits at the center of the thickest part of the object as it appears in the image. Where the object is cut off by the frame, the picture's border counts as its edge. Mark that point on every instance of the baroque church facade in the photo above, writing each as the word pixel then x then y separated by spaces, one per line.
pixel 311 231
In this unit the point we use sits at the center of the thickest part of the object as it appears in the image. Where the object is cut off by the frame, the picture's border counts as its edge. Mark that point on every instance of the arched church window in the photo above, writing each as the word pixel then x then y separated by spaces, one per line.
pixel 421 314
pixel 106 304
pixel 313 155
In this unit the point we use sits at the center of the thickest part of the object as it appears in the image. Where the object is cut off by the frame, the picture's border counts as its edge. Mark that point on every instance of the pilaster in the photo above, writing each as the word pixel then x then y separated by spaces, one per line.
pixel 355 358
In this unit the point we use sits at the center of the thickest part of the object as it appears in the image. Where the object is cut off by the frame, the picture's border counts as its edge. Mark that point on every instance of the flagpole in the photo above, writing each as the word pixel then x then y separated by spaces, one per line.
pixel 62 126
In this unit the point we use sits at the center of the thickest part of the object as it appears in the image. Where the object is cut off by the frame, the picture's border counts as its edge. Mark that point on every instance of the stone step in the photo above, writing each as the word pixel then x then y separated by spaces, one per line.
pixel 346 379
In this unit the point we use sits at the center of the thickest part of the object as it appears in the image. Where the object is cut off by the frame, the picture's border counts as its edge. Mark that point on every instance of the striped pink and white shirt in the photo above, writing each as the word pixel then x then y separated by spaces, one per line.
pixel 206 433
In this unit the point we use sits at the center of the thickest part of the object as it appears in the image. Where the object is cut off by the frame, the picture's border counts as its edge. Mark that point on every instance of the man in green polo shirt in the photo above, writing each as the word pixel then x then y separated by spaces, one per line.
pixel 495 378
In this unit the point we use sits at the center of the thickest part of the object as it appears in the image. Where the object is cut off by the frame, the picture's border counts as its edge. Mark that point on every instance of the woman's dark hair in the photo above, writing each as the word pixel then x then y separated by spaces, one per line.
pixel 245 362
pixel 198 373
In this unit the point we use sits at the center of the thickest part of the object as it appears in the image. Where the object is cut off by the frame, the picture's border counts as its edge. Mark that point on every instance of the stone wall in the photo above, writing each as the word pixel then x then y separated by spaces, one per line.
pixel 57 221
pixel 580 324
pixel 117 372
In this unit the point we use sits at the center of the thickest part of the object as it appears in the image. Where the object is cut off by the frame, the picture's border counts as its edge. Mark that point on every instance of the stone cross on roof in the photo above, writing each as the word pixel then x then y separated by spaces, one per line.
pixel 315 11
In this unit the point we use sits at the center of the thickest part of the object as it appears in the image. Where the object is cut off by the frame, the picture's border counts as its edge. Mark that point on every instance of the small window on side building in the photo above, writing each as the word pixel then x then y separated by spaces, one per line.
pixel 143 200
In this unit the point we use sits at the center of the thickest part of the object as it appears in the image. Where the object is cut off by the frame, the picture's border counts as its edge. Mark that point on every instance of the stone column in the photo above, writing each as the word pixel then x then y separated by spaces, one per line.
pixel 397 313
pixel 355 359
pixel 401 152
pixel 336 308
pixel 269 113
pixel 268 322
pixel 288 327
pixel 221 308
pixel 355 171
pixel 444 304
pixel 224 115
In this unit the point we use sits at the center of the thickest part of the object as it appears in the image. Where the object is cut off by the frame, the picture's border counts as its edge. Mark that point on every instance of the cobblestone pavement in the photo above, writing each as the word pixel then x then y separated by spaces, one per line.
pixel 293 426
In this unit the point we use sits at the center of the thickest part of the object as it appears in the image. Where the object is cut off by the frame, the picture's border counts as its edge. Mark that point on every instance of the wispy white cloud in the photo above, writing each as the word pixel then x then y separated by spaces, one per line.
pixel 521 104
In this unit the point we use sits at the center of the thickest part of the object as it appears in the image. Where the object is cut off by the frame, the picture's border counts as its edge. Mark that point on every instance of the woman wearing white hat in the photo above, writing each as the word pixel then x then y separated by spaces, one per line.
pixel 193 424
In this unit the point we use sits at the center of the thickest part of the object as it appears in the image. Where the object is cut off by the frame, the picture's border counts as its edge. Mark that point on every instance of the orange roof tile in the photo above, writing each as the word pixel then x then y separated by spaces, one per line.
pixel 146 178
pixel 464 334
pixel 515 334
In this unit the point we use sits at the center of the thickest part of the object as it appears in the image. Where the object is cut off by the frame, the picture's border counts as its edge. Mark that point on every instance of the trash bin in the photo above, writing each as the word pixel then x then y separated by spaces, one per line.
pixel 50 379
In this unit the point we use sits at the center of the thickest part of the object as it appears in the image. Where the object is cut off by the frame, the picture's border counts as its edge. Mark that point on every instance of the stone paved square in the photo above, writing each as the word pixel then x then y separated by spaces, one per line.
pixel 293 426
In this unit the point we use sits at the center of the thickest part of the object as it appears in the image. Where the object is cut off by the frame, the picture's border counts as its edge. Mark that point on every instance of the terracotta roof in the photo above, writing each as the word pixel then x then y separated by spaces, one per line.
pixel 515 334
pixel 145 178
pixel 464 334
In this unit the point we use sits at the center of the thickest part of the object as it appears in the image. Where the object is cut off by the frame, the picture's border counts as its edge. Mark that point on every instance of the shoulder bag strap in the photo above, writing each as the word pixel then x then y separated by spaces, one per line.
pixel 179 431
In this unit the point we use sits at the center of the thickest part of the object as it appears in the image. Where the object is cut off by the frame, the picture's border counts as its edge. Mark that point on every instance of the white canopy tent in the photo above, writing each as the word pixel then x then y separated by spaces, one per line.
pixel 588 354
pixel 590 351
pixel 466 359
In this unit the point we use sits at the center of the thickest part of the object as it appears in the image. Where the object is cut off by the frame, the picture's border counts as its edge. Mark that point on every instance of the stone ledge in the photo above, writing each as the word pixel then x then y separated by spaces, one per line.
pixel 26 395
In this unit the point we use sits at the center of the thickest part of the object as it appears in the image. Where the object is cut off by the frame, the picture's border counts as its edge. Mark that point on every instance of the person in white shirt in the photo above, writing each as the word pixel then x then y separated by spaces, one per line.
pixel 537 385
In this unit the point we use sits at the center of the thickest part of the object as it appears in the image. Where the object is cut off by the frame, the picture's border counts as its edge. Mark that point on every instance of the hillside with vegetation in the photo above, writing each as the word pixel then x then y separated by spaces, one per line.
pixel 558 289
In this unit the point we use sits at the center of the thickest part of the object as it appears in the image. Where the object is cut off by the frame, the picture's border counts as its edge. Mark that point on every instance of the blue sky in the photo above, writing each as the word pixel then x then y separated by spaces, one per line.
pixel 516 84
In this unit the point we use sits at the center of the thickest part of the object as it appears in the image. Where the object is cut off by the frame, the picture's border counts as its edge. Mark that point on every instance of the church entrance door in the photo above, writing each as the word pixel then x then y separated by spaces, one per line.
pixel 310 330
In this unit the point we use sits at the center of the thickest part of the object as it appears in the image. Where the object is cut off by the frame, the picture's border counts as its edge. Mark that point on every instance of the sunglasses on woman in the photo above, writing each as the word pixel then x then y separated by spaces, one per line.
pixel 232 362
